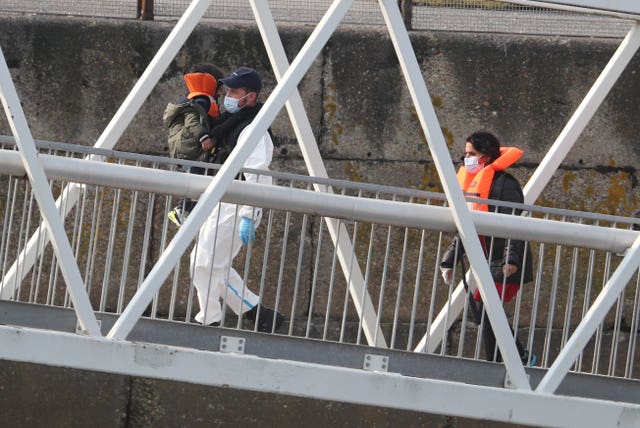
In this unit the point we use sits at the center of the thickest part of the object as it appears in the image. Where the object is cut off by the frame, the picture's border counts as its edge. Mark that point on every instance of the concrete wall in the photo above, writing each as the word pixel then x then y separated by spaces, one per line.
pixel 72 74
pixel 39 396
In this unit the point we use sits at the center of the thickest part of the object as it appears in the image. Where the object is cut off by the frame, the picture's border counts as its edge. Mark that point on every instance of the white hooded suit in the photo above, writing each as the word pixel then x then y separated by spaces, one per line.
pixel 218 244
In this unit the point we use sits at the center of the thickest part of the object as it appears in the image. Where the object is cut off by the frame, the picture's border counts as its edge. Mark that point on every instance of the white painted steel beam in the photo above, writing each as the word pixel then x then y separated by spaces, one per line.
pixel 461 215
pixel 230 168
pixel 592 319
pixel 315 166
pixel 110 136
pixel 552 160
pixel 583 114
pixel 368 210
pixel 40 187
pixel 323 382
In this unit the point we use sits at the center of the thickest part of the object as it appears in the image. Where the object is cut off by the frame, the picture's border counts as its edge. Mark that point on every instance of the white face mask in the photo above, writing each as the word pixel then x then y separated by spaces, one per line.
pixel 472 165
pixel 231 104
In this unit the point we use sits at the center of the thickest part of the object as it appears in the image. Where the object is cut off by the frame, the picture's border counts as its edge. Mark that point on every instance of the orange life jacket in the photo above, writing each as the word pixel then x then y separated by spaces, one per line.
pixel 478 185
pixel 203 84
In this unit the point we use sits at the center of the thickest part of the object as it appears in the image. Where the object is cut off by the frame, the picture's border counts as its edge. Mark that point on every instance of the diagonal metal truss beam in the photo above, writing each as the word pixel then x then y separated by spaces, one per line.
pixel 461 215
pixel 543 174
pixel 109 137
pixel 315 166
pixel 230 168
pixel 44 197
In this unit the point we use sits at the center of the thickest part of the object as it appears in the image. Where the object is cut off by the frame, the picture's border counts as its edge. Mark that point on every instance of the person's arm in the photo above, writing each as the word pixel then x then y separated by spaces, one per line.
pixel 260 158
pixel 514 249
pixel 193 122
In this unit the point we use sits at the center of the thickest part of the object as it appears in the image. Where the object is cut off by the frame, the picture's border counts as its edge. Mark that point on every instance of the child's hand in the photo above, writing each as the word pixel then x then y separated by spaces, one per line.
pixel 207 144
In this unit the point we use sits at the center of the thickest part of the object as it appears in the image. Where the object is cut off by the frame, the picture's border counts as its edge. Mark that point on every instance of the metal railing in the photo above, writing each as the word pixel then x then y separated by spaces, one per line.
pixel 117 233
pixel 441 15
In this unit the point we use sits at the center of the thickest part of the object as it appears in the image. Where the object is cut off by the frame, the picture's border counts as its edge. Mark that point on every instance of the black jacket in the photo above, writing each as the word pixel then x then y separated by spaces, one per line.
pixel 504 188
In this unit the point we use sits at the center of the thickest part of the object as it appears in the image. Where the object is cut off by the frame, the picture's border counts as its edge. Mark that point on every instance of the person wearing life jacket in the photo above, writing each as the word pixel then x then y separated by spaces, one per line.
pixel 484 176
pixel 188 120
pixel 229 226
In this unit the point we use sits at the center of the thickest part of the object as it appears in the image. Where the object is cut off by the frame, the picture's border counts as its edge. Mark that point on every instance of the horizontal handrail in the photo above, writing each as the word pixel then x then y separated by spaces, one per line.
pixel 393 213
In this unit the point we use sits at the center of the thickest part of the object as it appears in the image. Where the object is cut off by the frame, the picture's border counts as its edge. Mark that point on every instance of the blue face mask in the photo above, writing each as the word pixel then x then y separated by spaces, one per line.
pixel 231 104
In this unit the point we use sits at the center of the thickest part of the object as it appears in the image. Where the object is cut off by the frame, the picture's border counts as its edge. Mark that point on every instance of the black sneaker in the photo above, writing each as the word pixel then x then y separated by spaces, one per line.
pixel 269 320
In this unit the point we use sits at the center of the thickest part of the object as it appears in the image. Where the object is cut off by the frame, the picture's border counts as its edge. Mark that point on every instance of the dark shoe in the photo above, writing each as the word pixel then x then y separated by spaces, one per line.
pixel 269 320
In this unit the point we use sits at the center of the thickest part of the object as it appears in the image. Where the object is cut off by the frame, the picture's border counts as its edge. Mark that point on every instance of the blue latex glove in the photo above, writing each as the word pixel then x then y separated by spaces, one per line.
pixel 247 230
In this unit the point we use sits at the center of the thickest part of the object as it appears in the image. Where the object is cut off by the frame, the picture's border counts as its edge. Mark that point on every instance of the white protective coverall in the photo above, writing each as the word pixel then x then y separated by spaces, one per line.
pixel 219 243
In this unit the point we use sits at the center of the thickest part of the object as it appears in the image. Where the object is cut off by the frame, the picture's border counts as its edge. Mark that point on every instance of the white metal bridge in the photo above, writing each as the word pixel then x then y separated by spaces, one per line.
pixel 94 279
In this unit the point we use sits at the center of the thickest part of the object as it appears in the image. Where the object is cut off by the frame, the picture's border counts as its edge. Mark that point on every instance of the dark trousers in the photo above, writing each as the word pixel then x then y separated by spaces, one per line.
pixel 491 352
pixel 186 204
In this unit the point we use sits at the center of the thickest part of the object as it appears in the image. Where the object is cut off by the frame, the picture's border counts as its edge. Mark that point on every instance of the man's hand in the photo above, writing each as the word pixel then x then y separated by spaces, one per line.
pixel 509 270
pixel 447 275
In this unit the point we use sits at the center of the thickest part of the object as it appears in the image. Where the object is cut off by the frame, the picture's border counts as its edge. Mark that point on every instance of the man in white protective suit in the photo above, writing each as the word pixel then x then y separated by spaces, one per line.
pixel 230 226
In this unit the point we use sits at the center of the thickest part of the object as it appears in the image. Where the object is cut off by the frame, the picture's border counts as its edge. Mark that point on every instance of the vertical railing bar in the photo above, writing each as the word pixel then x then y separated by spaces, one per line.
pixel 9 233
pixel 633 335
pixel 331 283
pixel 228 272
pixel 599 336
pixel 5 226
pixel 77 235
pixel 127 249
pixel 93 236
pixel 74 236
pixel 615 336
pixel 367 273
pixel 41 242
pixel 265 258
pixel 61 185
pixel 416 292
pixel 346 289
pixel 587 298
pixel 52 272
pixel 383 281
pixel 314 279
pixel 5 219
pixel 518 303
pixel 400 285
pixel 296 286
pixel 20 267
pixel 163 244
pixel 546 349
pixel 26 209
pixel 536 296
pixel 214 250
pixel 445 332
pixel 566 326
pixel 146 239
pixel 109 257
pixel 283 255
pixel 245 273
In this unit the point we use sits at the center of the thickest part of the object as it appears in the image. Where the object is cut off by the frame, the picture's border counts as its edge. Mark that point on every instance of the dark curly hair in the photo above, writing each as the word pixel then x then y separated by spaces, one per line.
pixel 486 143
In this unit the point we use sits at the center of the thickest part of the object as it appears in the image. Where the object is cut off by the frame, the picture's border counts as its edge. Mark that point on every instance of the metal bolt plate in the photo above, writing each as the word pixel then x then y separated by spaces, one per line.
pixel 232 344
pixel 376 363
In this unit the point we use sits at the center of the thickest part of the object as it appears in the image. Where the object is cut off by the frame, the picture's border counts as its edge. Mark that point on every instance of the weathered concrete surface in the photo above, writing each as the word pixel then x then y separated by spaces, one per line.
pixel 72 74
pixel 41 396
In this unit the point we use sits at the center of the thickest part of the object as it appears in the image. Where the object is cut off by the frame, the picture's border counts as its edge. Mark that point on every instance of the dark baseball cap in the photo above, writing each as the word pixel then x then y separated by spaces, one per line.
pixel 244 77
